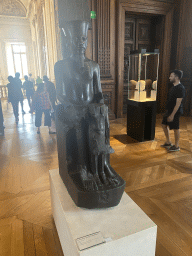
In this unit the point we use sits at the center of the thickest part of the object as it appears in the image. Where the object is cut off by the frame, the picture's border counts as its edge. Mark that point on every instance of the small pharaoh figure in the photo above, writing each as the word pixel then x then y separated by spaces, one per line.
pixel 99 145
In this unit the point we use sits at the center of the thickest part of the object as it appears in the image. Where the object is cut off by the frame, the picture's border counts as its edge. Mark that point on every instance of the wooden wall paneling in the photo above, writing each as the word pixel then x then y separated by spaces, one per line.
pixel 175 33
pixel 104 37
pixel 184 52
pixel 165 61
pixel 112 37
pixel 120 52
pixel 143 34
pixel 104 48
pixel 145 7
pixel 159 44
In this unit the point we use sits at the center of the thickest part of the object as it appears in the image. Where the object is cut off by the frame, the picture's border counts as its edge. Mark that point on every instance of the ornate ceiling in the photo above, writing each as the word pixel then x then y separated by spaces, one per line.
pixel 13 8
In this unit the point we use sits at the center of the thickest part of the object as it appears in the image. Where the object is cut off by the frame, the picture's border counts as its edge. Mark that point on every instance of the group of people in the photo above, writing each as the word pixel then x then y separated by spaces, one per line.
pixel 40 101
pixel 44 98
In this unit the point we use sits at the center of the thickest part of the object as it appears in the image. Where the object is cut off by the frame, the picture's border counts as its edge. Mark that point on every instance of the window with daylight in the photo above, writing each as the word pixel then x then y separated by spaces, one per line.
pixel 16 59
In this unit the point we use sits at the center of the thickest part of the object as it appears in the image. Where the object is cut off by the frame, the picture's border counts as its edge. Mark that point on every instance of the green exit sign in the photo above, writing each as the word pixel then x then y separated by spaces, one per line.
pixel 93 15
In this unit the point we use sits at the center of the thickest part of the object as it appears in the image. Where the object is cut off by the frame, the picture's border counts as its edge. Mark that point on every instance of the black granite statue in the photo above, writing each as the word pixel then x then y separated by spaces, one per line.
pixel 83 126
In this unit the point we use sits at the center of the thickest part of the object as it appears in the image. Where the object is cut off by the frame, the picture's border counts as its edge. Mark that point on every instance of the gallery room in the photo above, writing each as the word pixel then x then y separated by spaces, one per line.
pixel 111 172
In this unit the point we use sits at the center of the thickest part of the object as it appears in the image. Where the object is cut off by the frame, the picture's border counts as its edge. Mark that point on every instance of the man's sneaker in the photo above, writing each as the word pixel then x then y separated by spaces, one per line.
pixel 173 148
pixel 166 145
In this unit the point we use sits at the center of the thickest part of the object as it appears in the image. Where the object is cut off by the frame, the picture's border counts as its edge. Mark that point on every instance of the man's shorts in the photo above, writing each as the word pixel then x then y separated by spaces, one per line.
pixel 172 125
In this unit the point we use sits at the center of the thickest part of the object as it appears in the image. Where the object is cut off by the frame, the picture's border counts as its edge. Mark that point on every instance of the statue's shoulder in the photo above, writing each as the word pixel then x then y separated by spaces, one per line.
pixel 62 66
pixel 92 63
pixel 61 63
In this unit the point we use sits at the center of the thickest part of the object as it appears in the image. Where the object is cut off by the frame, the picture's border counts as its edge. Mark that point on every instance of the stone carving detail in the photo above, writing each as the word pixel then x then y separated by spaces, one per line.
pixel 12 8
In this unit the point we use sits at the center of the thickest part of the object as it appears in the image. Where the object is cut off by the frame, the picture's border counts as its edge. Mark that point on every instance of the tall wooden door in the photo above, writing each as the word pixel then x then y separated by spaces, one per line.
pixel 138 35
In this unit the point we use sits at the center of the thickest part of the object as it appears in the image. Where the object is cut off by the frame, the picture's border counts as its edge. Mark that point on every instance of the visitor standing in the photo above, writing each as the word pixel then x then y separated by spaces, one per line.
pixel 1 119
pixel 49 86
pixel 28 87
pixel 31 79
pixel 42 104
pixel 18 83
pixel 174 110
pixel 13 96
pixel 38 80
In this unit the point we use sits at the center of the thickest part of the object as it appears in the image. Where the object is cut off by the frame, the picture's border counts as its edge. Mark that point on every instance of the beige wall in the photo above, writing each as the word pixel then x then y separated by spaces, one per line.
pixel 14 29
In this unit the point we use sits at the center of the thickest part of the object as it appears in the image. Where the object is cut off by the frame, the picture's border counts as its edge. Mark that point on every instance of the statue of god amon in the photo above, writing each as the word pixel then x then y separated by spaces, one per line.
pixel 83 126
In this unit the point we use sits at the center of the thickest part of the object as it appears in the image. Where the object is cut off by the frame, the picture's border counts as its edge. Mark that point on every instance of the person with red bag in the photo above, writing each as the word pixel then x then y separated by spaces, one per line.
pixel 42 104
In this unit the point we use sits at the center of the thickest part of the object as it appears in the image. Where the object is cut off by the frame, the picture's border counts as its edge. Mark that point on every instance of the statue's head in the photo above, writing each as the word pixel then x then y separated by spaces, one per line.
pixel 75 34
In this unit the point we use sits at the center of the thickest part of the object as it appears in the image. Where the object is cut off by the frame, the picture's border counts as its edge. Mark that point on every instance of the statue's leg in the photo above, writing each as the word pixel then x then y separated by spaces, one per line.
pixel 109 172
pixel 87 179
pixel 94 169
pixel 102 174
pixel 80 143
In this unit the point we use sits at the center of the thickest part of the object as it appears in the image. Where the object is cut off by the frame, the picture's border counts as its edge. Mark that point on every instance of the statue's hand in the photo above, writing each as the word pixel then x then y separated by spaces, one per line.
pixel 68 115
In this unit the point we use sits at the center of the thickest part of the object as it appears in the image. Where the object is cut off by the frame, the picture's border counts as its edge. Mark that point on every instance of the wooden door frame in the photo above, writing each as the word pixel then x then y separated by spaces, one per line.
pixel 150 7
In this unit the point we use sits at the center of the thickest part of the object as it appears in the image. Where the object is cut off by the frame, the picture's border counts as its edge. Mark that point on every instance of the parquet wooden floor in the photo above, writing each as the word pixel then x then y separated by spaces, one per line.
pixel 159 182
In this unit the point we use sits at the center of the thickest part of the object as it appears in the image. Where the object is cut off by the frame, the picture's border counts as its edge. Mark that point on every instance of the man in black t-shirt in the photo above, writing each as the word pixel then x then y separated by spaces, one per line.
pixel 174 110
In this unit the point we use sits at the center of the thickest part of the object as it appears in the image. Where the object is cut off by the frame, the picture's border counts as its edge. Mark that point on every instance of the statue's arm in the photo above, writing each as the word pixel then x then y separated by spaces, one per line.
pixel 98 95
pixel 60 86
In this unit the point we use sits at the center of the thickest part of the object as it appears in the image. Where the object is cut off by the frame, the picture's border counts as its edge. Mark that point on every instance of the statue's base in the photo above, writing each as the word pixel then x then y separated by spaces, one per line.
pixel 124 229
pixel 105 197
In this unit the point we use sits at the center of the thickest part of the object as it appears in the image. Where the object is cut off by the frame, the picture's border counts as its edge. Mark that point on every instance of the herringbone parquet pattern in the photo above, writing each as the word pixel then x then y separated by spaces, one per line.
pixel 159 182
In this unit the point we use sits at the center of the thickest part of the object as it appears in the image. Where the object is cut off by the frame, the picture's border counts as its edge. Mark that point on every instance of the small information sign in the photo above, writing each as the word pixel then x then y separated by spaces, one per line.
pixel 91 240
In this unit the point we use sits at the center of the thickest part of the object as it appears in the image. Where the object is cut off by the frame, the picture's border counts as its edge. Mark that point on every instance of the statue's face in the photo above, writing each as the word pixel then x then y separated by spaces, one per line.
pixel 79 44
pixel 78 33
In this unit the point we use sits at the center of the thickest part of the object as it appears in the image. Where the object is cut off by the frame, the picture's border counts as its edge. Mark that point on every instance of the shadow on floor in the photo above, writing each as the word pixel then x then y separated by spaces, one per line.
pixel 125 139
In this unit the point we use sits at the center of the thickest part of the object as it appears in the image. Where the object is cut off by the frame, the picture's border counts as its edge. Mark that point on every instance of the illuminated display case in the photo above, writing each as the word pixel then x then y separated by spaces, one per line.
pixel 142 93
pixel 143 75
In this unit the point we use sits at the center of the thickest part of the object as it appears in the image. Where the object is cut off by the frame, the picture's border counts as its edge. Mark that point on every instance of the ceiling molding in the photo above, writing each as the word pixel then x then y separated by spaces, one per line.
pixel 12 8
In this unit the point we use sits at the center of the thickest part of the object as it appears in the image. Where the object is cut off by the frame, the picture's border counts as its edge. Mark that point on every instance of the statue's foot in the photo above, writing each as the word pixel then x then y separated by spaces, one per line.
pixel 109 176
pixel 98 181
pixel 103 178
pixel 86 179
pixel 113 181
pixel 110 180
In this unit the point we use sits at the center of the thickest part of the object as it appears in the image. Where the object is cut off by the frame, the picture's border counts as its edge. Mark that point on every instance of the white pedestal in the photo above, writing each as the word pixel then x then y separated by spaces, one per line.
pixel 126 229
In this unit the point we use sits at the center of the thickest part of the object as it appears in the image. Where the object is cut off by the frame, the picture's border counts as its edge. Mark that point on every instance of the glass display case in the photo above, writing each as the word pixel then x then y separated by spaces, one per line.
pixel 143 75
